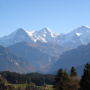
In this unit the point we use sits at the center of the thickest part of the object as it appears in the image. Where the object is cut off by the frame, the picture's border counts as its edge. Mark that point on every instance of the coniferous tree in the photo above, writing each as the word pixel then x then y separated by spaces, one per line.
pixel 74 80
pixel 62 80
pixel 85 80
pixel 73 72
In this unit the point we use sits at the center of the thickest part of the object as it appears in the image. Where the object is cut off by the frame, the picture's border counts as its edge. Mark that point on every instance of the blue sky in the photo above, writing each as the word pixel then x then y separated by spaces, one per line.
pixel 59 15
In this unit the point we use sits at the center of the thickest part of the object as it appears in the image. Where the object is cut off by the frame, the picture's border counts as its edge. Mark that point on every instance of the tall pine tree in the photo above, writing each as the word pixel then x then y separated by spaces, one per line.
pixel 73 72
pixel 62 80
pixel 85 80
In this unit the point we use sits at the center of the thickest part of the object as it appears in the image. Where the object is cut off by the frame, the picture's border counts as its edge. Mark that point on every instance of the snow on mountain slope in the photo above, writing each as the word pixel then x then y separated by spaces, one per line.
pixel 77 37
pixel 48 42
pixel 44 35
pixel 69 41
pixel 18 36
pixel 83 33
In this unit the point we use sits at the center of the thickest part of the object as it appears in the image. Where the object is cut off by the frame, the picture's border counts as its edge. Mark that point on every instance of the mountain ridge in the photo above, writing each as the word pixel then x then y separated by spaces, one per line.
pixel 73 39
pixel 42 49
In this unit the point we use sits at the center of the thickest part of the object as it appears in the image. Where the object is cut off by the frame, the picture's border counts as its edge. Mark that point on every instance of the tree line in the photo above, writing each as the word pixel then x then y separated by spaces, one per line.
pixel 61 81
pixel 36 78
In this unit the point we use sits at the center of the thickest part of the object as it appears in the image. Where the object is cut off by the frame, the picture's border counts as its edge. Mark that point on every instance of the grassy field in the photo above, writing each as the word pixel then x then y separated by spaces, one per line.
pixel 50 87
pixel 19 85
pixel 23 86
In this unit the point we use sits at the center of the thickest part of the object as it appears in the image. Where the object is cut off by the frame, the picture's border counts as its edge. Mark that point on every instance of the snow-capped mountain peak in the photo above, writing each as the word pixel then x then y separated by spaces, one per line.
pixel 78 36
pixel 19 30
pixel 19 33
pixel 30 33
pixel 46 32
pixel 82 33
pixel 82 29
pixel 85 26
pixel 44 35
pixel 17 36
